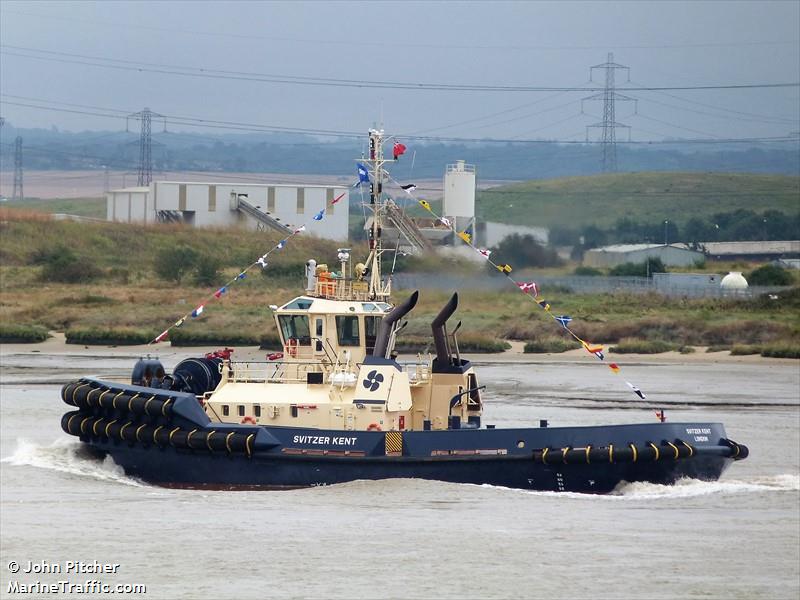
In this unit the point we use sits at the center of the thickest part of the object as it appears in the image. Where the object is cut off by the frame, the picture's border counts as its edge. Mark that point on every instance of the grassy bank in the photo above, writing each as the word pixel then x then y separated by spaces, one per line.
pixel 124 294
pixel 83 207
pixel 22 334
pixel 646 197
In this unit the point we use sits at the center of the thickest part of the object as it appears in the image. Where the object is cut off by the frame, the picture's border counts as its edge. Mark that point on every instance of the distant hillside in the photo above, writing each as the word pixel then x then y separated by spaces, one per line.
pixel 84 207
pixel 601 200
pixel 265 153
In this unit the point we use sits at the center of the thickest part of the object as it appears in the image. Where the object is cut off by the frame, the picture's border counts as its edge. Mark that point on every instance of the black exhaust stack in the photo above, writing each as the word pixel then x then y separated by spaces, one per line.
pixel 444 360
pixel 387 324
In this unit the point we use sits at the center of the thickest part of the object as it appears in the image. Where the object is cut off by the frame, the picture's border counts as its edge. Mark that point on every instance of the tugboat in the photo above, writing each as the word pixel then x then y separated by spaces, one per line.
pixel 337 406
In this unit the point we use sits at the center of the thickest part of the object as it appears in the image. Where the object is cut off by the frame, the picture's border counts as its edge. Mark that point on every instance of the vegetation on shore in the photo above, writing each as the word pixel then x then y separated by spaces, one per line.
pixel 125 300
pixel 91 207
pixel 550 345
pixel 22 334
pixel 647 197
pixel 108 336
pixel 466 343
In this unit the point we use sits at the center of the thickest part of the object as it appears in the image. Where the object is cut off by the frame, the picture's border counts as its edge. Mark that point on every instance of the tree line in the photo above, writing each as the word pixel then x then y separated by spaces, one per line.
pixel 738 225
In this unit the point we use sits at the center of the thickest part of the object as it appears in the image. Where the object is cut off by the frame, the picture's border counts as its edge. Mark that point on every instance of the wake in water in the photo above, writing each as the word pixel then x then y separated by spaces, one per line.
pixel 683 488
pixel 690 488
pixel 67 456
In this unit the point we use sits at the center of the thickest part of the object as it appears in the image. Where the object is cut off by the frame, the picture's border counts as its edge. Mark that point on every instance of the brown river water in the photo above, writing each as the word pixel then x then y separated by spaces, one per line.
pixel 735 538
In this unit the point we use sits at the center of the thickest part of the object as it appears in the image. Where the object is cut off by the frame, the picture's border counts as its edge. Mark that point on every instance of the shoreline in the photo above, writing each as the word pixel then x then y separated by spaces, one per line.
pixel 57 346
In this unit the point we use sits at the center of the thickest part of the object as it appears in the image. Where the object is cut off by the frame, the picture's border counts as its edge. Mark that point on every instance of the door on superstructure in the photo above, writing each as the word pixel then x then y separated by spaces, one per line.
pixel 371 325
pixel 320 346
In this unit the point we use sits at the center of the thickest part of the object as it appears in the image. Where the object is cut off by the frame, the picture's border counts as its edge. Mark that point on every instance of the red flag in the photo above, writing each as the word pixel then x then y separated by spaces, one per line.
pixel 398 150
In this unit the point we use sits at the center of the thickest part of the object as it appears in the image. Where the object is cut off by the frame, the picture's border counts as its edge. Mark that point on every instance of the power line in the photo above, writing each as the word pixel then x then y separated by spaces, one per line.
pixel 542 128
pixel 145 175
pixel 338 42
pixel 209 73
pixel 778 120
pixel 609 125
pixel 101 159
pixel 489 116
pixel 676 126
pixel 123 113
pixel 259 128
pixel 719 116
pixel 213 124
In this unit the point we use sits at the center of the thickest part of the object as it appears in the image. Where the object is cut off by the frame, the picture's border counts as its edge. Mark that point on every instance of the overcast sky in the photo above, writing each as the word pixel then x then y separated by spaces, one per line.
pixel 481 43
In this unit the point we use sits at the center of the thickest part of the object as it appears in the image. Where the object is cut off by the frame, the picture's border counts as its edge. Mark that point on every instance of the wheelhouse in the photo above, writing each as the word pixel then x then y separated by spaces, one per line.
pixel 317 328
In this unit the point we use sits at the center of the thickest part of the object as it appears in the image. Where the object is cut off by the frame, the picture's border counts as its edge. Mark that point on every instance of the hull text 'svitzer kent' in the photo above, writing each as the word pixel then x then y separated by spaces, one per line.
pixel 336 405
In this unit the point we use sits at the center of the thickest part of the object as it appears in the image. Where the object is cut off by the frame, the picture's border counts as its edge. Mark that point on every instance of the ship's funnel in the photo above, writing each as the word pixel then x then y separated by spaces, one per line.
pixel 437 325
pixel 387 324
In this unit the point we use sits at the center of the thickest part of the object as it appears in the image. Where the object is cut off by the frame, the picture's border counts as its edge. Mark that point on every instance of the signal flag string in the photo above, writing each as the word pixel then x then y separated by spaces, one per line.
pixel 530 289
pixel 261 261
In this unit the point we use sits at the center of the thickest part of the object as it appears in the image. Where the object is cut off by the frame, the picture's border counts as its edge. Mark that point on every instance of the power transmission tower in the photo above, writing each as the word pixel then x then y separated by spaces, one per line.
pixel 609 124
pixel 145 175
pixel 18 192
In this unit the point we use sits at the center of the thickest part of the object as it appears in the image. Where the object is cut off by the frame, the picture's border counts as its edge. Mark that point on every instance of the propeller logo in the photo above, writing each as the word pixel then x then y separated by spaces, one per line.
pixel 373 380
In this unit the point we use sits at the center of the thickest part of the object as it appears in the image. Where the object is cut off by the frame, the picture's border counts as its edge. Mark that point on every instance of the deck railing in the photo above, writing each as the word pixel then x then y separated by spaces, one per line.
pixel 342 289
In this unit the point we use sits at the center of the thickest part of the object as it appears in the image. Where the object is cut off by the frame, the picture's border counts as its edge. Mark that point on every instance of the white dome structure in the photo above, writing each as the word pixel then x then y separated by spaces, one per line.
pixel 734 281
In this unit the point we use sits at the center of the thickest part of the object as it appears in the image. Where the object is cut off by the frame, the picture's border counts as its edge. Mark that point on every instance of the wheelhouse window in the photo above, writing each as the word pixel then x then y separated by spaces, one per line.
pixel 295 327
pixel 299 304
pixel 371 325
pixel 347 330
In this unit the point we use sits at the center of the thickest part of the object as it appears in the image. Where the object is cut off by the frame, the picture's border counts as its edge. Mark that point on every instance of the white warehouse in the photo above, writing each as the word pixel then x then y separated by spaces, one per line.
pixel 673 255
pixel 255 206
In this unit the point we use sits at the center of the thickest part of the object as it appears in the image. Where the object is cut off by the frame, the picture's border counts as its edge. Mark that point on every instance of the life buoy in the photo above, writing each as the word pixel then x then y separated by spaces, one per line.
pixel 374 427
pixel 248 420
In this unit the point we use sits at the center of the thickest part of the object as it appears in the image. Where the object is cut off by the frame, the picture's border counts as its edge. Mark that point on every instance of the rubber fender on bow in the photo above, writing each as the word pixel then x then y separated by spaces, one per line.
pixel 88 395
pixel 614 453
pixel 738 451
pixel 79 423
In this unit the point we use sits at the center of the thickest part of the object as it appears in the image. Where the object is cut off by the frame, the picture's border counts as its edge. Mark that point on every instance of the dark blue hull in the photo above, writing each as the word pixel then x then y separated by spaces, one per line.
pixel 180 469
pixel 170 441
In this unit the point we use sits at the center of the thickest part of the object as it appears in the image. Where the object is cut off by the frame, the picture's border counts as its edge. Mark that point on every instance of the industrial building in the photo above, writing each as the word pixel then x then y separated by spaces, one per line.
pixel 673 255
pixel 458 207
pixel 756 251
pixel 255 206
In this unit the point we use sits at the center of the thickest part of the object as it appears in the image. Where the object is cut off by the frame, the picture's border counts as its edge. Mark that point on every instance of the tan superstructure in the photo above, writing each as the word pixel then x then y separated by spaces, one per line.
pixel 329 375
pixel 338 367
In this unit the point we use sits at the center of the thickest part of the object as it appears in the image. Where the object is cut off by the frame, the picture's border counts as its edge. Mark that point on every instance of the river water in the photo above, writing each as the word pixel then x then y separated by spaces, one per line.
pixel 736 538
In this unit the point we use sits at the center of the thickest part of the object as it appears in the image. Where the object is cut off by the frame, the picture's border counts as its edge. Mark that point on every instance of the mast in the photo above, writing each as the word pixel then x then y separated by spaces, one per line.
pixel 378 289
